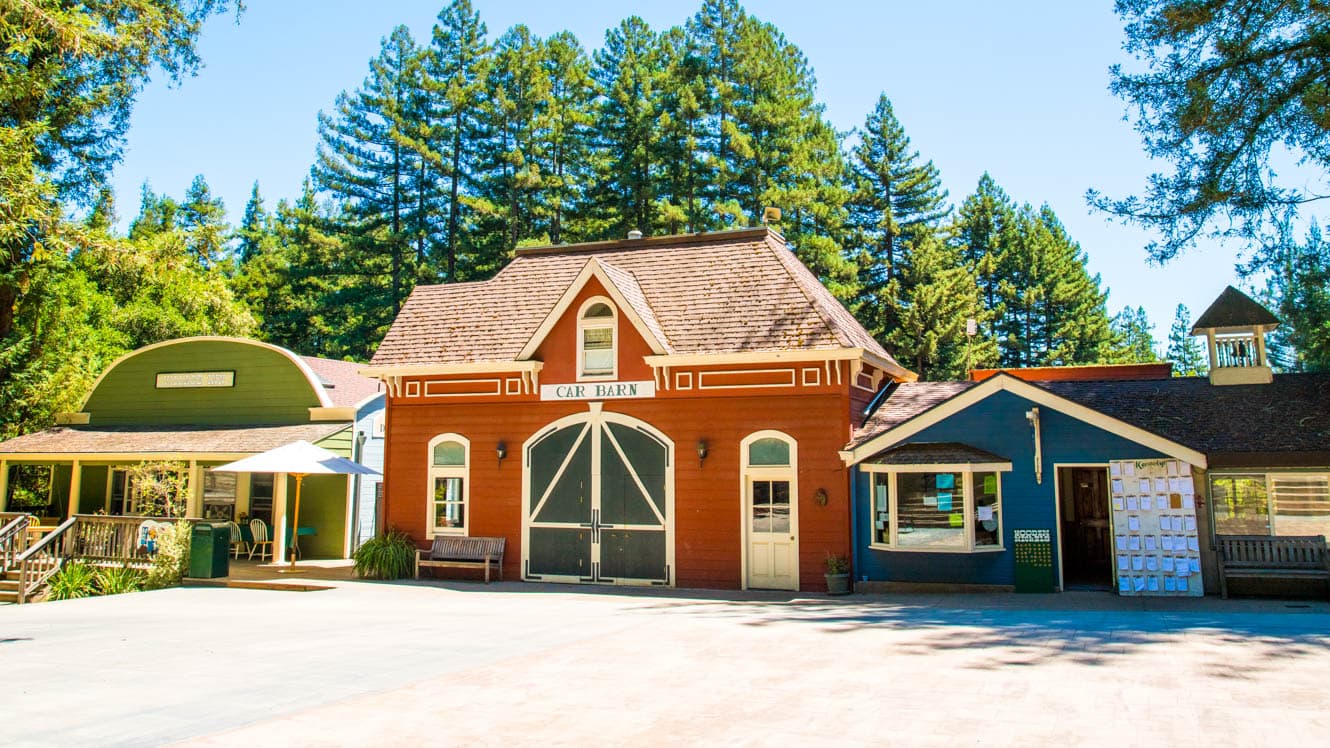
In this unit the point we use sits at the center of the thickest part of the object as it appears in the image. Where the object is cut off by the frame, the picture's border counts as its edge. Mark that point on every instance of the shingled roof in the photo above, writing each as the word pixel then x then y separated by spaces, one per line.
pixel 1282 424
pixel 1234 308
pixel 342 380
pixel 166 439
pixel 721 292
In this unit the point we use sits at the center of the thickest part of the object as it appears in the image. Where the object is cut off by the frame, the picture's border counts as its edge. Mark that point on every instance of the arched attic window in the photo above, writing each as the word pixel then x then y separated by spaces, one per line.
pixel 597 336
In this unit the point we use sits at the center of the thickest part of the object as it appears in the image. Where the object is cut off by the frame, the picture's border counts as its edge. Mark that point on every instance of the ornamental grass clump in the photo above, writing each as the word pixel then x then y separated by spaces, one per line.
pixel 120 579
pixel 388 556
pixel 74 580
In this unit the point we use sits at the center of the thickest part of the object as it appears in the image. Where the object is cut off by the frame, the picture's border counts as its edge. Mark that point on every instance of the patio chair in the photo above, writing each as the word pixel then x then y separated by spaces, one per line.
pixel 237 540
pixel 259 530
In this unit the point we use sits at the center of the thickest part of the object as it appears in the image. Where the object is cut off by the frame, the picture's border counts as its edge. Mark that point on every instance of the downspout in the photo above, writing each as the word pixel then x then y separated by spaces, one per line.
pixel 357 451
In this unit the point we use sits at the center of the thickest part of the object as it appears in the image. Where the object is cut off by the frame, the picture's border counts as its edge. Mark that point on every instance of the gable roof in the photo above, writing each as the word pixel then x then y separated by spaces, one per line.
pixel 627 295
pixel 936 453
pixel 932 405
pixel 1234 308
pixel 1282 424
pixel 716 293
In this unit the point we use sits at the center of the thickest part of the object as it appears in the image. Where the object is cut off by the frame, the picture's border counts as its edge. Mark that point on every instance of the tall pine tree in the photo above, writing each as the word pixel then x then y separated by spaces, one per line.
pixel 1183 350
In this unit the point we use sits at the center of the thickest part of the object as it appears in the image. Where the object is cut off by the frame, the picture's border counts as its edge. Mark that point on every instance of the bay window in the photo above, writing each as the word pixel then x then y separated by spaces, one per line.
pixel 941 509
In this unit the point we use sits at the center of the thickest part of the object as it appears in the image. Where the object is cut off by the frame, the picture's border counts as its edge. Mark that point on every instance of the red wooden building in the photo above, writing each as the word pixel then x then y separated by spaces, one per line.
pixel 666 411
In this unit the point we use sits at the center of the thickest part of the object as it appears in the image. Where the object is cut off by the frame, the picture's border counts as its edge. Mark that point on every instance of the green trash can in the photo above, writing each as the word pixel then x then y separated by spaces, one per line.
pixel 1034 560
pixel 209 551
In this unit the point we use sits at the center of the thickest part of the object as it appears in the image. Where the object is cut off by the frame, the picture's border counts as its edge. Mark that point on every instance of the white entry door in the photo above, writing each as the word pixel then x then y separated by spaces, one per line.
pixel 773 544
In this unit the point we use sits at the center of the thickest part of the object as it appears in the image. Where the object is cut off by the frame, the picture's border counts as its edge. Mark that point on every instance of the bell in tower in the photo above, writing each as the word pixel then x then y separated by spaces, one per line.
pixel 1234 327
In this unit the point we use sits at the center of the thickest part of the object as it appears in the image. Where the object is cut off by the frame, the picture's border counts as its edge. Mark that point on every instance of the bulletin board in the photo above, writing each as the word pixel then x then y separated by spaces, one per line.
pixel 1156 546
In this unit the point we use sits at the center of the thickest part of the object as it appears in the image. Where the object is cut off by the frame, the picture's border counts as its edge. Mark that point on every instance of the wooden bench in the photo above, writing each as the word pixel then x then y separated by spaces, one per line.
pixel 455 551
pixel 1265 556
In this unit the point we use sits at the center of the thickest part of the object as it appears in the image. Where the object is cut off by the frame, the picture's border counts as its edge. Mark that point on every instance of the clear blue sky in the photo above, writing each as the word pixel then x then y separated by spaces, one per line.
pixel 1018 90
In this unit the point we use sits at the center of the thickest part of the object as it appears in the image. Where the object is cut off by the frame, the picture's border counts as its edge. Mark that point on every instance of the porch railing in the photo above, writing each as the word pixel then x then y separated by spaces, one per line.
pixel 95 538
pixel 13 538
pixel 1236 351
pixel 43 559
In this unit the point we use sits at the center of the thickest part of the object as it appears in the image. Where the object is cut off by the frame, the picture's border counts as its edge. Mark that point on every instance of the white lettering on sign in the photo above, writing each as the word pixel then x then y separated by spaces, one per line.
pixel 186 379
pixel 597 390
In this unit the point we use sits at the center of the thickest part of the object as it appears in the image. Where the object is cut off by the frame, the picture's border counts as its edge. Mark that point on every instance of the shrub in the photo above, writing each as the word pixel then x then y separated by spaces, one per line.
pixel 172 559
pixel 837 564
pixel 117 580
pixel 388 556
pixel 75 579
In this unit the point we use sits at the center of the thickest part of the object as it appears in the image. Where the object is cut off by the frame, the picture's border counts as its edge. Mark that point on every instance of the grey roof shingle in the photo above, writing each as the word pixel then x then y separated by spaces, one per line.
pixel 934 453
pixel 723 292
pixel 348 386
pixel 166 439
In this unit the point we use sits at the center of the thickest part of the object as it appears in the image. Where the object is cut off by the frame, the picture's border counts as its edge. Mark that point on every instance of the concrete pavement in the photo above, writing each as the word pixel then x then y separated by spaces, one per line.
pixel 508 664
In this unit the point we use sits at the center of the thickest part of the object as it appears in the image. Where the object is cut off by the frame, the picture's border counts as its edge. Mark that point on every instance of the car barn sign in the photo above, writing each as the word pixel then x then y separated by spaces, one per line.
pixel 598 390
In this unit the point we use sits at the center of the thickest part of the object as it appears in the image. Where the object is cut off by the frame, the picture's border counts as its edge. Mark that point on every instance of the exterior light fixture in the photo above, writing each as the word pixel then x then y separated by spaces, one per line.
pixel 701 451
pixel 501 450
pixel 820 496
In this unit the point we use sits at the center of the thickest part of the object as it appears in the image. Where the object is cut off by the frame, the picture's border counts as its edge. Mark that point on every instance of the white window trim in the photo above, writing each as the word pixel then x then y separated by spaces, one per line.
pixel 1270 501
pixel 462 471
pixel 967 471
pixel 584 324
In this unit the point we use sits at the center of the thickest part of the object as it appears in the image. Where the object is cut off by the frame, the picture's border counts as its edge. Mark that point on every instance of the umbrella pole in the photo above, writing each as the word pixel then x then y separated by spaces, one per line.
pixel 295 524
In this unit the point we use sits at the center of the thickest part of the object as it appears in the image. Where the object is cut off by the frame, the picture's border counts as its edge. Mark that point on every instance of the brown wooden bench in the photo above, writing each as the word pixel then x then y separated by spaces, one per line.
pixel 456 551
pixel 1266 556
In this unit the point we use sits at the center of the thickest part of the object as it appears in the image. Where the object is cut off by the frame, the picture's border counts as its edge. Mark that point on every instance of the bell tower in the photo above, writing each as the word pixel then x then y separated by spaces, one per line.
pixel 1234 327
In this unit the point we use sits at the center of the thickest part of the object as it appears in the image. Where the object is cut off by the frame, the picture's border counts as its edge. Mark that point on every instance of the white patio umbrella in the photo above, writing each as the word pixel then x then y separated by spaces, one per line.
pixel 297 459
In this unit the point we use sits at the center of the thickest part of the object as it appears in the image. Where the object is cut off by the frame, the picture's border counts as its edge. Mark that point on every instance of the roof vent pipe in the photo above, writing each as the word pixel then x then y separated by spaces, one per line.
pixel 635 234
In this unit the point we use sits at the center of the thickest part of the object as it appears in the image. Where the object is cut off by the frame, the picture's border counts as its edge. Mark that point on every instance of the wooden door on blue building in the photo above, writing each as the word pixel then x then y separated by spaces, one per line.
pixel 1086 532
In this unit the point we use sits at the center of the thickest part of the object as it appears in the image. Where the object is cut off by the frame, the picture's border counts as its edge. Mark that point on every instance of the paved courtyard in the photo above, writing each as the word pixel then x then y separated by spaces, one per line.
pixel 465 664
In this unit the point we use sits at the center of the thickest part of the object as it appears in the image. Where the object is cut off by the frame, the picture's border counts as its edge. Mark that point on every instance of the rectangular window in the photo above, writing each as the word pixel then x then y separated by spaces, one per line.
pixel 947 512
pixel 598 350
pixel 260 497
pixel 1240 505
pixel 449 505
pixel 219 496
pixel 1271 503
pixel 1301 503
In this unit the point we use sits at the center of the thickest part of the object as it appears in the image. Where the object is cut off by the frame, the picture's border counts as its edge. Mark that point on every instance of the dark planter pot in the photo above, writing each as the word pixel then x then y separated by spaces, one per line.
pixel 838 584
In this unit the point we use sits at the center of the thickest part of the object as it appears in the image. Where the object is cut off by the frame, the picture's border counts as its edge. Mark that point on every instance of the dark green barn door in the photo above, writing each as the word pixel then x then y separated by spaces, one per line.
pixel 560 505
pixel 598 505
pixel 631 522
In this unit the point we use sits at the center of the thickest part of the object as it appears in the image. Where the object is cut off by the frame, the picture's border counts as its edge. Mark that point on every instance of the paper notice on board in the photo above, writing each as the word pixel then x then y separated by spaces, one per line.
pixel 1165 523
pixel 1118 503
pixel 1152 584
pixel 1183 585
pixel 1152 563
pixel 1122 542
pixel 1195 565
pixel 1147 504
pixel 956 520
pixel 1166 542
pixel 1129 468
pixel 985 513
pixel 1133 504
pixel 1117 486
pixel 1133 542
pixel 1193 544
pixel 1170 584
pixel 1188 501
pixel 1166 563
pixel 1161 485
pixel 1172 467
pixel 1137 563
pixel 1189 523
pixel 1188 485
pixel 946 480
pixel 1138 584
pixel 1182 566
pixel 1115 469
pixel 1150 542
pixel 1144 485
pixel 944 502
pixel 1124 585
pixel 1175 485
pixel 990 483
pixel 1124 561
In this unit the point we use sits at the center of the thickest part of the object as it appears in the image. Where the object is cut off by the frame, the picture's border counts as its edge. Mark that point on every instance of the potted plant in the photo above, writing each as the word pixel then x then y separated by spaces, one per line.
pixel 838 575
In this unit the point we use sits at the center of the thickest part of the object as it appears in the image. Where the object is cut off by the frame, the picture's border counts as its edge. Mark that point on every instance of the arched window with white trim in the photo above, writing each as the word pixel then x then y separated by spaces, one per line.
pixel 449 484
pixel 597 338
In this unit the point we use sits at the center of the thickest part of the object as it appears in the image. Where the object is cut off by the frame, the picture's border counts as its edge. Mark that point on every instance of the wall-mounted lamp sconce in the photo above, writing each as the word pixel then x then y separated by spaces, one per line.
pixel 501 450
pixel 820 496
pixel 701 451
pixel 1032 415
